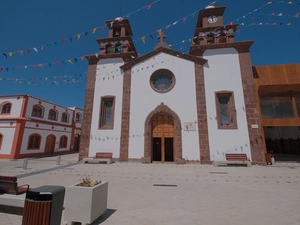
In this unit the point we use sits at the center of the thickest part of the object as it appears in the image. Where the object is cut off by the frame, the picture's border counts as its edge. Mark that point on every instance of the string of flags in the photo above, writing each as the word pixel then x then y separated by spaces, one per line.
pixel 76 60
pixel 80 77
pixel 256 11
pixel 279 14
pixel 237 148
pixel 81 58
pixel 159 31
pixel 64 62
pixel 74 37
pixel 253 11
pixel 72 61
pixel 273 24
pixel 287 2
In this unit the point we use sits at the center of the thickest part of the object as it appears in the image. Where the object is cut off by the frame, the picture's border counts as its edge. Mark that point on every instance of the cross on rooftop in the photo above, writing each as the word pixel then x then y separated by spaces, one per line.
pixel 161 36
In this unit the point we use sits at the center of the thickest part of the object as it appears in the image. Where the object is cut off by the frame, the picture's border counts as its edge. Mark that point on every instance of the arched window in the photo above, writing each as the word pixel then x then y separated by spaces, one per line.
pixel 65 118
pixel 1 140
pixel 78 117
pixel 52 114
pixel 6 108
pixel 63 141
pixel 37 111
pixel 34 141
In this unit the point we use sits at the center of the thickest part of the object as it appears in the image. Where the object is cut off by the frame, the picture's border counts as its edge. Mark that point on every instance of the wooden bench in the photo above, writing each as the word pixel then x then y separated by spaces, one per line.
pixel 234 159
pixel 10 193
pixel 100 157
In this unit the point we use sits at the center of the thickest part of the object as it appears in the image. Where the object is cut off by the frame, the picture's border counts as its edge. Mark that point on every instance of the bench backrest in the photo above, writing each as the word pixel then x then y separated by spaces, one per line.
pixel 8 185
pixel 236 157
pixel 104 155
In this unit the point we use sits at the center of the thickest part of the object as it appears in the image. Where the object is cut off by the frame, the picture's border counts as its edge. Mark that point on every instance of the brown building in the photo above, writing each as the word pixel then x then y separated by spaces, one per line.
pixel 278 95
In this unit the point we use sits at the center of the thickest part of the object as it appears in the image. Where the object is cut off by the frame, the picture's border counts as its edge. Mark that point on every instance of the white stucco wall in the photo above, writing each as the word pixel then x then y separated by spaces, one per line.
pixel 181 99
pixel 15 107
pixel 8 133
pixel 47 106
pixel 44 130
pixel 109 82
pixel 222 72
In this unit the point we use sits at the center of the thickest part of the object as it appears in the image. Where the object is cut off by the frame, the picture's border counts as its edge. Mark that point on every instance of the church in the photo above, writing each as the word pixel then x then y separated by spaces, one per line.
pixel 172 107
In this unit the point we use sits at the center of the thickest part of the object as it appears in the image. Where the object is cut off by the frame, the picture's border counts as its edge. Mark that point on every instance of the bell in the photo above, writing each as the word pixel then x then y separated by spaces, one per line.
pixel 117 34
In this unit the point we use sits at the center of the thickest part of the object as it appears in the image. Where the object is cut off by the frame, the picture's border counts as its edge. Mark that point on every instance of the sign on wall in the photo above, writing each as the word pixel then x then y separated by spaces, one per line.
pixel 189 126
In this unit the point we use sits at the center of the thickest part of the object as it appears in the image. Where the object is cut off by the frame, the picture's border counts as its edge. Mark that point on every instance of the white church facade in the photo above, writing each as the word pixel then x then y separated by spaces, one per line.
pixel 172 107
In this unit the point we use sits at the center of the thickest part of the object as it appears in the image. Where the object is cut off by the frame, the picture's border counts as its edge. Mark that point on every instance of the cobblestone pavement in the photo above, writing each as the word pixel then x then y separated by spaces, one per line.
pixel 199 194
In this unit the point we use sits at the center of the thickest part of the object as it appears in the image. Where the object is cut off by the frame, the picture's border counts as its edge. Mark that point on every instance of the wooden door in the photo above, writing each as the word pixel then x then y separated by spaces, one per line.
pixel 169 154
pixel 162 127
pixel 156 149
pixel 50 145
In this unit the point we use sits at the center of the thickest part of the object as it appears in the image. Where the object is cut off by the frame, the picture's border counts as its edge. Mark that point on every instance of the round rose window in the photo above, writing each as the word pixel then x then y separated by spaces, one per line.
pixel 162 80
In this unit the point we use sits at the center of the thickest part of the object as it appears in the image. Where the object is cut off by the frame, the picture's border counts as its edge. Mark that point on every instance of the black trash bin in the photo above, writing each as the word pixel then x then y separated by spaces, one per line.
pixel 44 205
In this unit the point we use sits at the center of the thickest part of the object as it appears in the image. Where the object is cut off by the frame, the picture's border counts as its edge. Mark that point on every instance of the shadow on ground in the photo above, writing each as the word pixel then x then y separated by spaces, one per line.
pixel 11 210
pixel 102 218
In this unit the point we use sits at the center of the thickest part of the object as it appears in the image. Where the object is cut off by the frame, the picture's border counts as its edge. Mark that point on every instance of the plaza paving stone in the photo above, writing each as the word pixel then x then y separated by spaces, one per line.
pixel 203 194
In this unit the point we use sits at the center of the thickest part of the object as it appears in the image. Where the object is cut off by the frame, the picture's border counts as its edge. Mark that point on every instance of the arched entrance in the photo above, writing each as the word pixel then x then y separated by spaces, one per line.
pixel 50 144
pixel 162 118
pixel 162 138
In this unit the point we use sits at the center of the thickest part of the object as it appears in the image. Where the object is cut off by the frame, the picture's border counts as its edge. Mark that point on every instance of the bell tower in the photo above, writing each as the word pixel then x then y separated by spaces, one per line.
pixel 210 28
pixel 119 42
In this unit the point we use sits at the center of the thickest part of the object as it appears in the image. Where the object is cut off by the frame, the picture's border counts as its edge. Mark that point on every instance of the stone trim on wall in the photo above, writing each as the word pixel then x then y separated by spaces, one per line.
pixel 202 115
pixel 162 109
pixel 88 111
pixel 124 144
pixel 251 109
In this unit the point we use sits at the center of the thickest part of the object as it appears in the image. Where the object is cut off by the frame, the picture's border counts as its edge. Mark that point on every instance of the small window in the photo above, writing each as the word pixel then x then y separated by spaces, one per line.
pixel 34 141
pixel 107 113
pixel 1 140
pixel 6 108
pixel 63 141
pixel 65 118
pixel 78 117
pixel 226 113
pixel 37 111
pixel 52 115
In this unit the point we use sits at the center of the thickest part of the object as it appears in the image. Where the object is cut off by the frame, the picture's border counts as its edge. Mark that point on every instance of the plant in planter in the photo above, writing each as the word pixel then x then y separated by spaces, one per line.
pixel 88 182
pixel 85 201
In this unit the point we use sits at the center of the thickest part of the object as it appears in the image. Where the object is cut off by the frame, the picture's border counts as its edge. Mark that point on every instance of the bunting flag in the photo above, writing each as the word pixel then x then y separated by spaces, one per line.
pixel 143 39
pixel 78 36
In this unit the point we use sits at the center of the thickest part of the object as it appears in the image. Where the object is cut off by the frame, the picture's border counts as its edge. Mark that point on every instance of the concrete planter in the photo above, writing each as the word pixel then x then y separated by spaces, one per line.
pixel 85 204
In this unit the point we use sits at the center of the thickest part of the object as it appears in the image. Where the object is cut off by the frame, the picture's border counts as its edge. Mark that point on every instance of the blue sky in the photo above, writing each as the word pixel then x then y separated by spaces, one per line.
pixel 34 23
